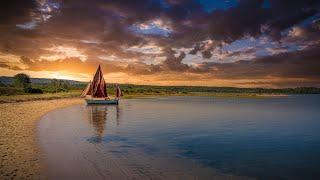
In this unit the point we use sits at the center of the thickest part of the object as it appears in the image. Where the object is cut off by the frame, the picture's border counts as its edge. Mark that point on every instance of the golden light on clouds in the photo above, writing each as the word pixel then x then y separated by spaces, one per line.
pixel 9 57
pixel 62 52
pixel 47 74
pixel 12 61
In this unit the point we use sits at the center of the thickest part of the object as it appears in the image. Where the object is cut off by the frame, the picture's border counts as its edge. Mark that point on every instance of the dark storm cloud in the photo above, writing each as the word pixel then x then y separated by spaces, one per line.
pixel 89 19
pixel 298 64
pixel 206 54
pixel 250 16
pixel 285 14
pixel 133 11
pixel 16 11
pixel 20 34
pixel 206 48
pixel 229 25
pixel 184 16
pixel 188 17
pixel 109 20
pixel 175 63
pixel 75 21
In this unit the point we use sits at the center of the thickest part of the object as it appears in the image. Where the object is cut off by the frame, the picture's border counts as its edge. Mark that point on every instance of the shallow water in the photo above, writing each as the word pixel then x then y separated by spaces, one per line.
pixel 185 138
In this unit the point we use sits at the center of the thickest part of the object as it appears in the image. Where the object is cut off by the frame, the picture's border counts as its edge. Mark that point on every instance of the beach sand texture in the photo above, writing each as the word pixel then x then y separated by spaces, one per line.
pixel 19 149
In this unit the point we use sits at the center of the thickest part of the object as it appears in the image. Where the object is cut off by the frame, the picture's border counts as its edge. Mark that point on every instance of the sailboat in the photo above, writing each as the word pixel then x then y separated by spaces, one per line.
pixel 96 91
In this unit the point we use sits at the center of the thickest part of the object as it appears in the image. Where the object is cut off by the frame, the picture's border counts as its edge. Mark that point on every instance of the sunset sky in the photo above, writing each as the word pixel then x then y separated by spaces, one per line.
pixel 241 43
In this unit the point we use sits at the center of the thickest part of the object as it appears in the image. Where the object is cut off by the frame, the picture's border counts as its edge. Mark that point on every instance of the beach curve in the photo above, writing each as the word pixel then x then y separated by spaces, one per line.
pixel 20 153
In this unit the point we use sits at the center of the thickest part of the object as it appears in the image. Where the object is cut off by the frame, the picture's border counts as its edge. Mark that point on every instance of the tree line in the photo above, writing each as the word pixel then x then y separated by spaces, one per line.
pixel 22 85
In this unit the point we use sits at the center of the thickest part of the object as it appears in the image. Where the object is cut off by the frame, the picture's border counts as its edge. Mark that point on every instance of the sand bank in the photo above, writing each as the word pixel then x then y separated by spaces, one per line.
pixel 19 150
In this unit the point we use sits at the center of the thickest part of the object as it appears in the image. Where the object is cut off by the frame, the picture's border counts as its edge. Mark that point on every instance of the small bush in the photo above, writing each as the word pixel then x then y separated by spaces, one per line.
pixel 33 90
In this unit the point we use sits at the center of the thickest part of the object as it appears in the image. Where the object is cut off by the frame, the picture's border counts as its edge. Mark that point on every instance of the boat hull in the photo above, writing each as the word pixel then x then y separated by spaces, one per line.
pixel 102 101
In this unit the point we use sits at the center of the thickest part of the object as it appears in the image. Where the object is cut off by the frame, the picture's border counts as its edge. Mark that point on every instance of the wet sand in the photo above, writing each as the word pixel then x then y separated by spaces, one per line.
pixel 19 149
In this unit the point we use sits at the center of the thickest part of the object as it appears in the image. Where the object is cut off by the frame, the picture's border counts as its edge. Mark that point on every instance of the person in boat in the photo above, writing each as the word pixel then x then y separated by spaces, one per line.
pixel 118 92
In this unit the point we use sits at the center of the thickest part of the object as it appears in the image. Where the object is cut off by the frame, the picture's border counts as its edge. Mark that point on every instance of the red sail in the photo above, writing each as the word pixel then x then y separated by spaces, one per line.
pixel 98 85
pixel 87 90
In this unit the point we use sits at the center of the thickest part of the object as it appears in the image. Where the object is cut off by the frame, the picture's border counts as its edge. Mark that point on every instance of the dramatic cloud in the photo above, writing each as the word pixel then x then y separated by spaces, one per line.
pixel 246 43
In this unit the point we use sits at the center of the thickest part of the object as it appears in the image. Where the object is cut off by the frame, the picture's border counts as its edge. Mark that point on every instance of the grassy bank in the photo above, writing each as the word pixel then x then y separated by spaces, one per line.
pixel 35 97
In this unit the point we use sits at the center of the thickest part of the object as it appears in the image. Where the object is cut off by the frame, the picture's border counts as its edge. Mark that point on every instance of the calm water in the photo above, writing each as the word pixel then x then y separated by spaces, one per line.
pixel 185 137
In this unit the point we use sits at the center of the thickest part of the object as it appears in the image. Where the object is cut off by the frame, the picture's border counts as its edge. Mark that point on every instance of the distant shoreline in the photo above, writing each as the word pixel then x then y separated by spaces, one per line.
pixel 53 89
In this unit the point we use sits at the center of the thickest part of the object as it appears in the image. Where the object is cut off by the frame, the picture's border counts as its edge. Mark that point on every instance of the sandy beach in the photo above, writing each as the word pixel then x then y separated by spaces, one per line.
pixel 18 137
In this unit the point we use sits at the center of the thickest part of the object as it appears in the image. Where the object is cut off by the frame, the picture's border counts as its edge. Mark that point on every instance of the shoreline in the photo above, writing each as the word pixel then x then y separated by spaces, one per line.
pixel 227 95
pixel 20 152
pixel 55 96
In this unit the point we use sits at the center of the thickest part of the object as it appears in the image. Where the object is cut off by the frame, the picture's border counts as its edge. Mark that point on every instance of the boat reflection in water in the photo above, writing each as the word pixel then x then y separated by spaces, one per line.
pixel 100 117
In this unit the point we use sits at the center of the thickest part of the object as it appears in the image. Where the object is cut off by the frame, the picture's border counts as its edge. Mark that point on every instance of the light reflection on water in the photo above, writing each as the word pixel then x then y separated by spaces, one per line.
pixel 186 137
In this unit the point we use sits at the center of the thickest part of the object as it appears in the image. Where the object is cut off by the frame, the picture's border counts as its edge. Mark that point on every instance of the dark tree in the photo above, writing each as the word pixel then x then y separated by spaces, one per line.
pixel 22 80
